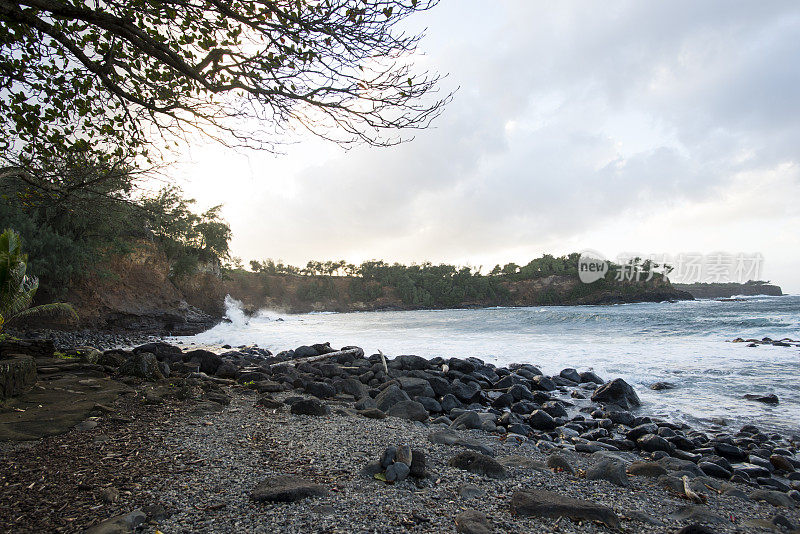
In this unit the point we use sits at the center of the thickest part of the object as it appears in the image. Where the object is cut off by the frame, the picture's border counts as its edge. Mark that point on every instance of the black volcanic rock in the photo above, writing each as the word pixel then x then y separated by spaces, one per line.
pixel 617 392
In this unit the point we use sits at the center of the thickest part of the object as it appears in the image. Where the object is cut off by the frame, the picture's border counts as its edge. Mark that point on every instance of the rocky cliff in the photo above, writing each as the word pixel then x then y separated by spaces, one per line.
pixel 133 292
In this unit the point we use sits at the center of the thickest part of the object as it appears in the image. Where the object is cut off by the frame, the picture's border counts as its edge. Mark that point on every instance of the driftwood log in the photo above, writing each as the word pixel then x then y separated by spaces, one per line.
pixel 347 352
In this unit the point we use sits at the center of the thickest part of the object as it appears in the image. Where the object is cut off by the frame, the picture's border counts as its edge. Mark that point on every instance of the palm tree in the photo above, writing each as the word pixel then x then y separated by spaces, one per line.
pixel 17 289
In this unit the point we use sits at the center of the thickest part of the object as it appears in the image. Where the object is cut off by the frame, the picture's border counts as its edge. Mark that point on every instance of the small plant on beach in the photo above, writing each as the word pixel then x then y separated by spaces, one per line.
pixel 17 289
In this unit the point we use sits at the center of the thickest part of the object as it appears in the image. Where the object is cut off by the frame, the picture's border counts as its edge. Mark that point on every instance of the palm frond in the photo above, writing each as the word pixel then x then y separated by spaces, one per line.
pixel 57 310
pixel 17 289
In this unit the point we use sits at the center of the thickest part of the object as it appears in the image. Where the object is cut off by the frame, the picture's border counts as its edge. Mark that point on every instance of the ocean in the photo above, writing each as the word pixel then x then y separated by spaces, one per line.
pixel 687 343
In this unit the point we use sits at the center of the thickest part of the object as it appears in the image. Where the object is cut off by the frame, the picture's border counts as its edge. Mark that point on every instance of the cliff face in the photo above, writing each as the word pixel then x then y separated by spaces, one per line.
pixel 727 290
pixel 133 292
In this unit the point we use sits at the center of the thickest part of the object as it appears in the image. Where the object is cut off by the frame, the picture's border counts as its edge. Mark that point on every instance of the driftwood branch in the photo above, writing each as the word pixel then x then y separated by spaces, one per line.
pixel 690 493
pixel 383 359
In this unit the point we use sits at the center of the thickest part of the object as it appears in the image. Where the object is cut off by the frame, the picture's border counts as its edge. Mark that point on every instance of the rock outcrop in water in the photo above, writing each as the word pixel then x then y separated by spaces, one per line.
pixel 729 289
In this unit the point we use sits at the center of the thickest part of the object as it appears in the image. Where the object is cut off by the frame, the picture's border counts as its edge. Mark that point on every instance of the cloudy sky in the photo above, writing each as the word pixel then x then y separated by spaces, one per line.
pixel 642 127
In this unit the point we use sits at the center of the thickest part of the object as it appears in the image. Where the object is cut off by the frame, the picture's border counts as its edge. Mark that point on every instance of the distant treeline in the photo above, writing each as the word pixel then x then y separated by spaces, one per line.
pixel 427 285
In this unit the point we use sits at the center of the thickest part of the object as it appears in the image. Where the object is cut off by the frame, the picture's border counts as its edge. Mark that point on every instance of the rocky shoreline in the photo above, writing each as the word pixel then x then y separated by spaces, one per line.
pixel 322 440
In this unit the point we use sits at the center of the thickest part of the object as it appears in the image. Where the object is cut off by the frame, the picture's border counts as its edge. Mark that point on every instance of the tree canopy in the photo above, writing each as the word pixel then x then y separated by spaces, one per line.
pixel 110 74
pixel 82 213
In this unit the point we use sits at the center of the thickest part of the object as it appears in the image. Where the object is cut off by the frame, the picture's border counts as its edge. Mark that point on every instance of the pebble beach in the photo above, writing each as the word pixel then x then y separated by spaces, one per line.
pixel 320 439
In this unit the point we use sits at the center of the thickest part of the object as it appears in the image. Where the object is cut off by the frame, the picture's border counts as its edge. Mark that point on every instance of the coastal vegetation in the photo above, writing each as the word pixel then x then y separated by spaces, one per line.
pixel 375 283
pixel 80 216
pixel 17 288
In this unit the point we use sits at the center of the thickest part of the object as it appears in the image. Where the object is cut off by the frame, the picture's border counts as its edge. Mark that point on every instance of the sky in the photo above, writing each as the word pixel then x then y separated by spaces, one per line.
pixel 666 128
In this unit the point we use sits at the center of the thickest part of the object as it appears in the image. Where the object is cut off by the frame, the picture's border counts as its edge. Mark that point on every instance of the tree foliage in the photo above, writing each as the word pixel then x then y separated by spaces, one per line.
pixel 426 285
pixel 445 286
pixel 78 75
pixel 68 212
pixel 187 238
pixel 81 211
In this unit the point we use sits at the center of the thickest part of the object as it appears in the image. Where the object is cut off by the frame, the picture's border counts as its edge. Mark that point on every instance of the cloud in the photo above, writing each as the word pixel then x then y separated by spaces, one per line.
pixel 570 116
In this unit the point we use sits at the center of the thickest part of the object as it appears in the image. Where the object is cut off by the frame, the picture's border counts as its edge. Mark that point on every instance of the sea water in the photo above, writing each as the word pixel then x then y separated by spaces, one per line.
pixel 686 343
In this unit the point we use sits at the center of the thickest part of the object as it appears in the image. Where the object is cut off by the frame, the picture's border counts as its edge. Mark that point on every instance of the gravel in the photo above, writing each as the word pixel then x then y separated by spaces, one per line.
pixel 87 338
pixel 243 445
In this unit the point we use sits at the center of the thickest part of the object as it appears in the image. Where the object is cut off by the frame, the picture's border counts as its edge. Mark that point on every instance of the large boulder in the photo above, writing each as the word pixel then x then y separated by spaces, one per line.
pixel 541 420
pixel 351 386
pixel 286 489
pixel 478 463
pixel 441 386
pixel 462 366
pixel 542 383
pixel 570 374
pixel 520 392
pixel 304 351
pixel 415 387
pixel 227 370
pixel 473 522
pixel 653 443
pixel 775 498
pixel 320 390
pixel 589 376
pixel 468 420
pixel 389 397
pixel 409 362
pixel 647 469
pixel 611 470
pixel 114 357
pixel 142 365
pixel 547 504
pixel 122 523
pixel 310 407
pixel 323 348
pixel 163 351
pixel 208 361
pixel 408 409
pixel 465 391
pixel 451 437
pixel 618 393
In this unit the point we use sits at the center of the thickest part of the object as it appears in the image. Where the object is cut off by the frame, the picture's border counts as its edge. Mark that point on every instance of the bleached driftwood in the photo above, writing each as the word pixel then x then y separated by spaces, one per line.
pixel 348 352
pixel 690 493
pixel 383 359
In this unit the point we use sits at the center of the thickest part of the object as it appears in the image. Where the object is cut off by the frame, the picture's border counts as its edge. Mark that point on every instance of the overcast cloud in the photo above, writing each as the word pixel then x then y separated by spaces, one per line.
pixel 619 126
